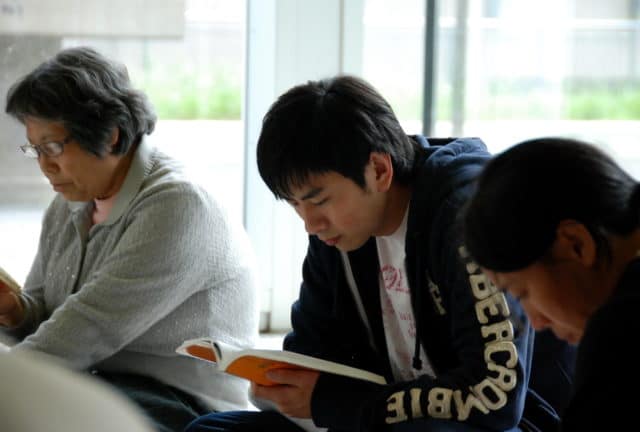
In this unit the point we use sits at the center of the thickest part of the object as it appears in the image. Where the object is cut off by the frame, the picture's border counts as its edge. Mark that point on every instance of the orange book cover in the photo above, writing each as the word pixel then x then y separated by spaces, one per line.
pixel 252 364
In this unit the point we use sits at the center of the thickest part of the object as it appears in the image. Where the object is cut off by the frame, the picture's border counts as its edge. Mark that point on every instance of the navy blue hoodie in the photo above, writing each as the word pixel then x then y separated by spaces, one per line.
pixel 478 340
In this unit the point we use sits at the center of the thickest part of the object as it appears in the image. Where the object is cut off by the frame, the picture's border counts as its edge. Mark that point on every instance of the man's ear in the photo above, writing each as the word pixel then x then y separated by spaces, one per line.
pixel 383 170
pixel 575 242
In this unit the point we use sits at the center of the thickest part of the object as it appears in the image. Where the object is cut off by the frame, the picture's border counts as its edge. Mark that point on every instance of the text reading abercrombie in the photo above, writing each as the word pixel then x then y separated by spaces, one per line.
pixel 490 393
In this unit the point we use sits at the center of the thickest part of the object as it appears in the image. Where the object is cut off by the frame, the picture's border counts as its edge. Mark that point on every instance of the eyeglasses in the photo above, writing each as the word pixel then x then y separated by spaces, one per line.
pixel 51 148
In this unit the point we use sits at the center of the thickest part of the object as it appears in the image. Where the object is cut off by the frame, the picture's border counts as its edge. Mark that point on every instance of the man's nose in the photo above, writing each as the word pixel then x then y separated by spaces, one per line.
pixel 314 221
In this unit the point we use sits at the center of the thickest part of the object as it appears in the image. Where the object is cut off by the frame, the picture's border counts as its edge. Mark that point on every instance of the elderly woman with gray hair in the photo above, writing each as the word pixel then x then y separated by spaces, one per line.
pixel 133 258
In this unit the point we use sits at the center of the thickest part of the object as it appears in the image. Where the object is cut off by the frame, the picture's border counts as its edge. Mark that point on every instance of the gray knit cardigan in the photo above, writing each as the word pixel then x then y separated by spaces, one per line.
pixel 167 265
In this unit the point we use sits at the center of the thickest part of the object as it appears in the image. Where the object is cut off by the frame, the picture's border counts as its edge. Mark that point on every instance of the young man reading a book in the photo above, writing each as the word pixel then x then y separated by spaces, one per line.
pixel 387 285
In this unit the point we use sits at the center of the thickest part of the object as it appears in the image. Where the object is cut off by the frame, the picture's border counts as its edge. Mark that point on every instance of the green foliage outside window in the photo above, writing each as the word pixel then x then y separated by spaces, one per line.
pixel 217 95
pixel 188 95
pixel 612 101
pixel 539 100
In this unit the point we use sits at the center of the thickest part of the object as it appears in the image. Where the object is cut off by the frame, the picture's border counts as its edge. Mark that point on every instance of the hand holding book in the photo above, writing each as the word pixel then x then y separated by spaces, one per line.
pixel 7 282
pixel 11 311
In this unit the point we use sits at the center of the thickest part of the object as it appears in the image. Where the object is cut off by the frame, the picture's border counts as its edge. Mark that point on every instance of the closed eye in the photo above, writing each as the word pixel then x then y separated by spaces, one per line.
pixel 319 203
pixel 291 202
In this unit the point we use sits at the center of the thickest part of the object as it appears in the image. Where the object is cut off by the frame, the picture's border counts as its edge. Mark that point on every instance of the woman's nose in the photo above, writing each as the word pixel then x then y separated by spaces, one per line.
pixel 538 321
pixel 47 164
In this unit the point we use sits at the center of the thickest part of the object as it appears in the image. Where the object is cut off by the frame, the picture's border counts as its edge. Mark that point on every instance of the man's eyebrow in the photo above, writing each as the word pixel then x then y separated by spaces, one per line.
pixel 312 193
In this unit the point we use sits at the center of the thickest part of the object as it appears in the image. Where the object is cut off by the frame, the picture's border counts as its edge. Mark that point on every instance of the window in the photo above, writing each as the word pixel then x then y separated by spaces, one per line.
pixel 187 55
pixel 504 70
pixel 512 70
pixel 393 56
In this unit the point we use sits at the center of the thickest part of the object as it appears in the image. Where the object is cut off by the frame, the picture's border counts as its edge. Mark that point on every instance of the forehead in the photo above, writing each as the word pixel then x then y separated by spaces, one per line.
pixel 317 182
pixel 40 129
pixel 533 275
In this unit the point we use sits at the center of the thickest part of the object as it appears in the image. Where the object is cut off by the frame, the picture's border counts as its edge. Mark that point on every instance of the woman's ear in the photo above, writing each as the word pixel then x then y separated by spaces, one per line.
pixel 575 242
pixel 382 169
pixel 115 134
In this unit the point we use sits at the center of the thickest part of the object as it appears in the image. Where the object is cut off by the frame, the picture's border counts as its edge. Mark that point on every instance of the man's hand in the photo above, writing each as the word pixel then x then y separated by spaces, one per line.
pixel 292 395
pixel 11 310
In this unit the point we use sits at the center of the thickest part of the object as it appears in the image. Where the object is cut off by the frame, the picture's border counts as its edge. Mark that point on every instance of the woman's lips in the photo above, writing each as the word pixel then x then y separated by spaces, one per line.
pixel 58 186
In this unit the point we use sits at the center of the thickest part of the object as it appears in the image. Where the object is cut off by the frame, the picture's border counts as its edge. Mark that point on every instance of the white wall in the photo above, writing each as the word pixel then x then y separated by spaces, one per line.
pixel 153 18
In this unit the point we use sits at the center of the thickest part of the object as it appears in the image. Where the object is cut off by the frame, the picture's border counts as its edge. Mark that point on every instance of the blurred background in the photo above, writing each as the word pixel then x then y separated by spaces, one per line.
pixel 503 70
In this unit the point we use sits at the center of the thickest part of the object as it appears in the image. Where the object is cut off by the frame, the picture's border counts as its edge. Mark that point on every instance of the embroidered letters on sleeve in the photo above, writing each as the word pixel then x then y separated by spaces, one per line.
pixel 500 356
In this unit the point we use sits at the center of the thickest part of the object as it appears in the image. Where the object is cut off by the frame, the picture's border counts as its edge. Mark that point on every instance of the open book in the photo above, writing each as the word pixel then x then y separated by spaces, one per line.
pixel 6 279
pixel 252 364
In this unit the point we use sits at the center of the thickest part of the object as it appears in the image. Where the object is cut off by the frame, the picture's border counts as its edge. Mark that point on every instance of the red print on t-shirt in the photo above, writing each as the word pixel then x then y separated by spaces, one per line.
pixel 393 279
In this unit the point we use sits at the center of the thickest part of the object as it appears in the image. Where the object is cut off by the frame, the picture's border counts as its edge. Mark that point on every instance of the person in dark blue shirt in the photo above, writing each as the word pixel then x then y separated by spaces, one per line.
pixel 556 223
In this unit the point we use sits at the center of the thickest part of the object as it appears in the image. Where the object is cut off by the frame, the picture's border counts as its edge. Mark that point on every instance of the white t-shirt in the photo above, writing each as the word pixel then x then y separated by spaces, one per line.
pixel 395 300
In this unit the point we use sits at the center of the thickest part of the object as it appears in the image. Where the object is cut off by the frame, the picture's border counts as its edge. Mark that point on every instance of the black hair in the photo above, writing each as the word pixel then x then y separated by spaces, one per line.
pixel 330 125
pixel 526 191
pixel 89 94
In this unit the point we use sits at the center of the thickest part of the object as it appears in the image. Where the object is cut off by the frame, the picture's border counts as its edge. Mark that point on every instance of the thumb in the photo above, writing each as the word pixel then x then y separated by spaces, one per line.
pixel 4 287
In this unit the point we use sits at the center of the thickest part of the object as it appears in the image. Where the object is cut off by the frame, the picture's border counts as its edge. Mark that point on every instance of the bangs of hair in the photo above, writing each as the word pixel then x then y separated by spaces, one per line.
pixel 295 144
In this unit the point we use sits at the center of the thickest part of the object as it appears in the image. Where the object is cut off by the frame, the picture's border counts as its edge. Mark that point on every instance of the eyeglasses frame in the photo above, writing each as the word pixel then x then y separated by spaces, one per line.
pixel 35 151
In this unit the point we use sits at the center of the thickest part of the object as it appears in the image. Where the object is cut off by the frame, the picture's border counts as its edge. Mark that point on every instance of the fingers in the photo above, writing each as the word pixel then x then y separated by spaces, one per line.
pixel 8 301
pixel 11 310
pixel 292 394
pixel 293 377
pixel 4 287
pixel 291 401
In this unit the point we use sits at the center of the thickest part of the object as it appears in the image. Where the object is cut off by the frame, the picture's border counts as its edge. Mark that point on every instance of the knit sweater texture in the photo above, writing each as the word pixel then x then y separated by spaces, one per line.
pixel 120 296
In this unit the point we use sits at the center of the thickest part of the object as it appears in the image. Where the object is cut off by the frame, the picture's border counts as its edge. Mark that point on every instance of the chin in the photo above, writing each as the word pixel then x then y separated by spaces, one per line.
pixel 76 197
pixel 346 246
pixel 571 337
